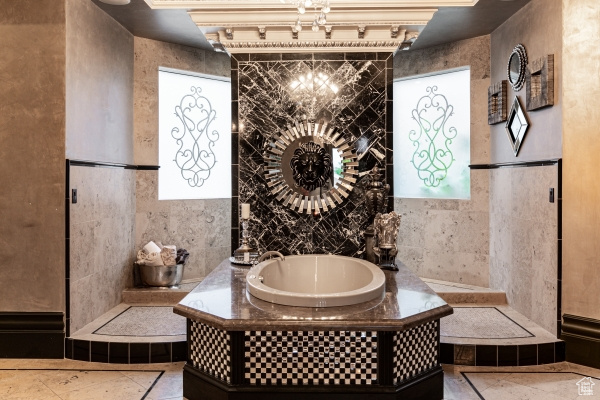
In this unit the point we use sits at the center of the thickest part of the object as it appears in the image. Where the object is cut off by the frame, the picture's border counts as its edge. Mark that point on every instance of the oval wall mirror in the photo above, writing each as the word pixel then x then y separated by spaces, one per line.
pixel 517 62
pixel 309 167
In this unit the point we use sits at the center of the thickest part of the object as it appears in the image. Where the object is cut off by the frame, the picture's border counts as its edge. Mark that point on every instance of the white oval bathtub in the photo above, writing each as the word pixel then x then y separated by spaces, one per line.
pixel 316 281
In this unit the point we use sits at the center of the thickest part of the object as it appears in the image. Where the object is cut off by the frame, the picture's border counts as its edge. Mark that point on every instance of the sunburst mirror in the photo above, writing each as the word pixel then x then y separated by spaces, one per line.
pixel 309 167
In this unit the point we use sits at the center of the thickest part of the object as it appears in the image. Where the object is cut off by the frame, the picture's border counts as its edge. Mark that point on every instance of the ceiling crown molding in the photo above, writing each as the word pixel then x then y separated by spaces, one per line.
pixel 344 39
pixel 267 25
pixel 192 4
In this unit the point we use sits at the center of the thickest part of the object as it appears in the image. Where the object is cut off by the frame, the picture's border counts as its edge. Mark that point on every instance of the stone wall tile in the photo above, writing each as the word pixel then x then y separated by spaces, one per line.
pixel 454 237
pixel 102 245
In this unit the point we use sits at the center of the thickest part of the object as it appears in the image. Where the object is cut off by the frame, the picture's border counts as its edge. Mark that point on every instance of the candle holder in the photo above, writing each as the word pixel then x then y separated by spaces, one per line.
pixel 245 254
pixel 376 199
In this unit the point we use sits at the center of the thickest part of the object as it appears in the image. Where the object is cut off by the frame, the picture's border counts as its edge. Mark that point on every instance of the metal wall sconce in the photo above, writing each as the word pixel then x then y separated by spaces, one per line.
pixel 497 101
pixel 540 83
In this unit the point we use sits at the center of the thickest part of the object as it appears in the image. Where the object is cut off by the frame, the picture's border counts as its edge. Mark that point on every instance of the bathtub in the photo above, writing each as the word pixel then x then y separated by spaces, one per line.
pixel 316 281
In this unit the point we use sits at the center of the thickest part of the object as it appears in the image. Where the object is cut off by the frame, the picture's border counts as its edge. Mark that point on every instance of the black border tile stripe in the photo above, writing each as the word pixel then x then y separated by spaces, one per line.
pixel 538 163
pixel 491 355
pixel 125 352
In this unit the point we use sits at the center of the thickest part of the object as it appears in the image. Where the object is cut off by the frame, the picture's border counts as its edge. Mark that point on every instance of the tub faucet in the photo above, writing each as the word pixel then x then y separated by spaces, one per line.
pixel 271 254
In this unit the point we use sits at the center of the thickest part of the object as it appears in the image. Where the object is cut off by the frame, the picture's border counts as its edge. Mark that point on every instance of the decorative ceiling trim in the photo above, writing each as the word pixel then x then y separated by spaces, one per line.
pixel 283 47
pixel 352 25
pixel 347 30
pixel 282 41
pixel 287 17
pixel 191 4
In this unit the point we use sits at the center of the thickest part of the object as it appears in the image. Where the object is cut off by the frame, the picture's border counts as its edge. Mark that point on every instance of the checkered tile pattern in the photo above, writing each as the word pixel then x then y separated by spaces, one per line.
pixel 310 358
pixel 211 351
pixel 415 351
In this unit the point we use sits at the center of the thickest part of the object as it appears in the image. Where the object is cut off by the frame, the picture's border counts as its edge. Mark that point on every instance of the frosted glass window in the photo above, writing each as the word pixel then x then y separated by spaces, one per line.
pixel 432 136
pixel 194 136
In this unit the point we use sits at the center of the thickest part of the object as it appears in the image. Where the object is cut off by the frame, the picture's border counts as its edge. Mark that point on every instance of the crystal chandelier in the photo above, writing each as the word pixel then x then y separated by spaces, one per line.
pixel 321 8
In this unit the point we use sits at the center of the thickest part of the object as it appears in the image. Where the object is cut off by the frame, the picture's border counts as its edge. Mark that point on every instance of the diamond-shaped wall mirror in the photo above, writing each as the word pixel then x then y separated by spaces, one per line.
pixel 516 125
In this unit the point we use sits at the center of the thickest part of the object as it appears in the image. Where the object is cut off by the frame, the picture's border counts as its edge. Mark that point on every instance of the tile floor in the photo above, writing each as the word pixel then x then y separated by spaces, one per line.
pixel 78 380
pixel 144 321
pixel 545 382
pixel 138 323
pixel 481 323
pixel 70 380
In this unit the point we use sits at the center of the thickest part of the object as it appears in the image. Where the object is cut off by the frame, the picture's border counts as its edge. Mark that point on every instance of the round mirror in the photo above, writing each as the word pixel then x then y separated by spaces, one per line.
pixel 309 168
pixel 517 62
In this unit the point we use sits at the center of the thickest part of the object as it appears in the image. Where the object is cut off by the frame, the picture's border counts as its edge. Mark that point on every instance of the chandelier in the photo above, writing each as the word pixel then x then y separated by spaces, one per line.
pixel 321 8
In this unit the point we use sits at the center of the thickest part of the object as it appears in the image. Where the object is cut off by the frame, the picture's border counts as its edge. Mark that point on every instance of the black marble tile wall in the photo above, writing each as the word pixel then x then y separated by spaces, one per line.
pixel 267 102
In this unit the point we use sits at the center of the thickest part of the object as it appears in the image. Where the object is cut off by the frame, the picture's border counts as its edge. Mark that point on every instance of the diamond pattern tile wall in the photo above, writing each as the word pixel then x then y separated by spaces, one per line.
pixel 310 358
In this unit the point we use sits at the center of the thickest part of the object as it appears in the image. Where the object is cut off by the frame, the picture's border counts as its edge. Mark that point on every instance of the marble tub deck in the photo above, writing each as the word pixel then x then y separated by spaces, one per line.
pixel 222 301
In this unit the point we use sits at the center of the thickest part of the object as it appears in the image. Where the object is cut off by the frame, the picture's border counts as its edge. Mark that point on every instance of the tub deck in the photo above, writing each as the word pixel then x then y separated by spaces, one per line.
pixel 221 300
pixel 240 347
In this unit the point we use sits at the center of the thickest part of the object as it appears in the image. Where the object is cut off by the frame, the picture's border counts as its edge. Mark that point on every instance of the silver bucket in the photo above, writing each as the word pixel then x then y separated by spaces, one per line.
pixel 161 276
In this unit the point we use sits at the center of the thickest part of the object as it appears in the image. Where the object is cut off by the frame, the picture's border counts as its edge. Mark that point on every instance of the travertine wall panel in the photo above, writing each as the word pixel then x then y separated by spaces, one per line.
pixel 203 227
pixel 99 86
pixel 32 155
pixel 102 240
pixel 99 128
pixel 581 196
pixel 200 226
pixel 523 228
pixel 449 239
pixel 537 27
pixel 523 254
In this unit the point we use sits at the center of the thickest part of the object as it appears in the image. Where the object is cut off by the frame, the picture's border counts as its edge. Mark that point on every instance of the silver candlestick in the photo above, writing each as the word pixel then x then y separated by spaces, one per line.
pixel 245 253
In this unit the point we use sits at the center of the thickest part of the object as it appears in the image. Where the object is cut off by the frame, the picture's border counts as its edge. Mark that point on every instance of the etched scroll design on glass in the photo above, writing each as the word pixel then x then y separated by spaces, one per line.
pixel 195 157
pixel 432 157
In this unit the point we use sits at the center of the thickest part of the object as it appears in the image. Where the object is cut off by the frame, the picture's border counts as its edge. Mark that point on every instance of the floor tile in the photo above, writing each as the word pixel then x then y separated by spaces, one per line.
pixel 457 388
pixel 145 321
pixel 142 378
pixel 122 388
pixel 170 384
pixel 505 390
pixel 482 381
pixel 560 384
pixel 67 381
pixel 481 323
pixel 91 381
pixel 24 386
